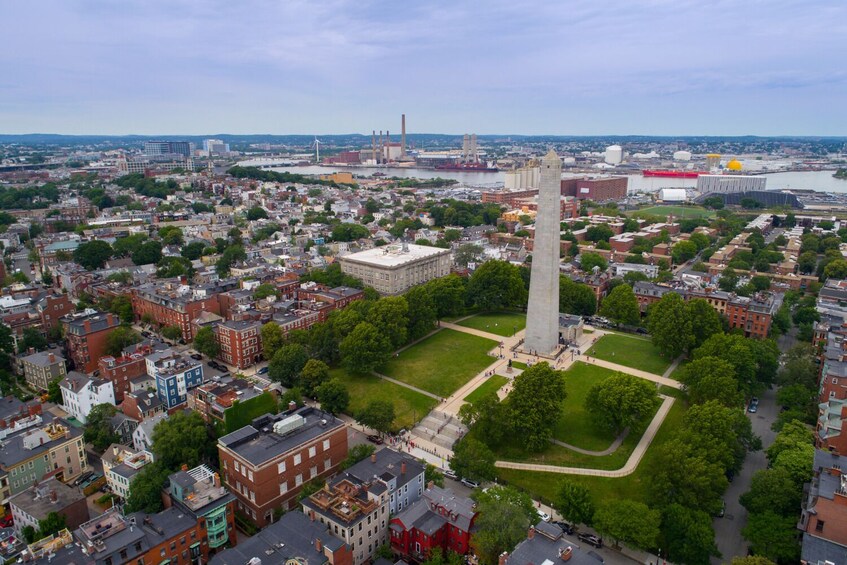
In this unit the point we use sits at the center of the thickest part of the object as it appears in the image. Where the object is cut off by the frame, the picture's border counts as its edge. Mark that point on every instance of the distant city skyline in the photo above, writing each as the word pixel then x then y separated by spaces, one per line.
pixel 643 67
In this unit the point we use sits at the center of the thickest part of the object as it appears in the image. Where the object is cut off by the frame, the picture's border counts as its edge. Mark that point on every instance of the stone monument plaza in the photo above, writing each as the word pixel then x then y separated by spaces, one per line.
pixel 542 320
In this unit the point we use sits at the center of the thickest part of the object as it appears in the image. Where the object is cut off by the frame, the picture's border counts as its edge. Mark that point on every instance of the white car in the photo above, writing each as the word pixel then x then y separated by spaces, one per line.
pixel 450 474
pixel 543 515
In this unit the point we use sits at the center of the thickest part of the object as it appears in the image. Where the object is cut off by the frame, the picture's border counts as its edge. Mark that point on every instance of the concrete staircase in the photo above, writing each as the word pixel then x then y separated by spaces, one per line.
pixel 440 428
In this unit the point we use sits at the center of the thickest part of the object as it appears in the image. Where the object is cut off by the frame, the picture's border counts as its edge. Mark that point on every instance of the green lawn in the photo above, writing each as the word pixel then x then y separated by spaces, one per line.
pixel 500 323
pixel 441 363
pixel 545 485
pixel 677 211
pixel 676 372
pixel 632 352
pixel 409 406
pixel 576 426
pixel 492 384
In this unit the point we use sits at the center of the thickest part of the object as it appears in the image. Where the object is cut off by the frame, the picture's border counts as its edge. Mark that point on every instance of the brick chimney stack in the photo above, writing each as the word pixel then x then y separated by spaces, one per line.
pixel 373 457
pixel 318 545
pixel 184 467
pixel 403 468
pixel 531 533
pixel 292 405
pixel 503 558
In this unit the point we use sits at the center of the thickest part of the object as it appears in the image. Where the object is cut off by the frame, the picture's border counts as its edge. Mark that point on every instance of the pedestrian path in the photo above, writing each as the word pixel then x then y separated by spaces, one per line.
pixel 608 451
pixel 629 467
pixel 667 374
pixel 407 385
pixel 637 372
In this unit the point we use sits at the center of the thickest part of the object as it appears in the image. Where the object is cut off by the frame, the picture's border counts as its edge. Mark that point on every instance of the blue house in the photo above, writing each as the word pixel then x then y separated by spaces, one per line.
pixel 175 375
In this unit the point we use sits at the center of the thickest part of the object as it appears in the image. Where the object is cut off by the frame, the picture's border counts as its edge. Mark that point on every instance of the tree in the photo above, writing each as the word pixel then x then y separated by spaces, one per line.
pixel 633 277
pixel 122 306
pixel 365 349
pixel 256 213
pixel 52 524
pixel 588 260
pixel 119 339
pixel 171 235
pixel 29 533
pixel 488 416
pixel 265 290
pixel 807 262
pixel 728 280
pixel 574 502
pixel 599 232
pixel 182 439
pixel 54 391
pixel 205 342
pixel 501 524
pixel 98 429
pixel 576 298
pixel 473 460
pixel 32 338
pixel 172 333
pixel 773 536
pixel 467 253
pixel 149 252
pixel 93 255
pixel 287 363
pixel 357 453
pixel 772 490
pixel 837 269
pixel 670 326
pixel 272 339
pixel 448 293
pixel 683 251
pixel 377 415
pixel 193 250
pixel 794 435
pixel 736 350
pixel 705 321
pixel 622 401
pixel 689 535
pixel 621 306
pixel 723 434
pixel 422 312
pixel 496 285
pixel 751 560
pixel 314 373
pixel 535 405
pixel 390 316
pixel 434 474
pixel 797 462
pixel 146 492
pixel 681 473
pixel 614 518
pixel 293 394
pixel 333 396
pixel 231 255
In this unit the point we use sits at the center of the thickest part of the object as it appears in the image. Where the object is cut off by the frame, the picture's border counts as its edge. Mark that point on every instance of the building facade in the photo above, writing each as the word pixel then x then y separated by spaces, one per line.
pixel 86 338
pixel 42 368
pixel 121 464
pixel 36 502
pixel 81 393
pixel 175 374
pixel 121 370
pixel 240 342
pixel 393 269
pixel 726 184
pixel 266 463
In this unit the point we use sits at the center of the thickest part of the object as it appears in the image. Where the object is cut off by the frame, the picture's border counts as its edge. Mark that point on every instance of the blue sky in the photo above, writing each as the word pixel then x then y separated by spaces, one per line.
pixel 569 67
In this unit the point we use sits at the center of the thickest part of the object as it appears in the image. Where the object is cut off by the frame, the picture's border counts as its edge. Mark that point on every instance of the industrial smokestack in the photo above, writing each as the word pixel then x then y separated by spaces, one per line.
pixel 474 155
pixel 403 135
pixel 381 147
pixel 373 145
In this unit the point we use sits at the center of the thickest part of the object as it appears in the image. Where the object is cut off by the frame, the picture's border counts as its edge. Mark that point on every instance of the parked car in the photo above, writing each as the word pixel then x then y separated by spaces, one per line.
pixel 262 371
pixel 146 334
pixel 543 515
pixel 196 356
pixel 591 539
pixel 722 511
pixel 754 405
pixel 566 528
pixel 469 483
pixel 375 439
pixel 451 474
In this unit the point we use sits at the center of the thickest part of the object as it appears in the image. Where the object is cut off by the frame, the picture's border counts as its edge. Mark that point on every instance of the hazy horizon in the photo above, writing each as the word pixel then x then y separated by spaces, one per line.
pixel 579 68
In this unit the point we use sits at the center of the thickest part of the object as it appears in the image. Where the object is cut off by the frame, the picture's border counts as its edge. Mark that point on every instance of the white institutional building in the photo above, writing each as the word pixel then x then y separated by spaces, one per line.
pixel 394 269
pixel 542 318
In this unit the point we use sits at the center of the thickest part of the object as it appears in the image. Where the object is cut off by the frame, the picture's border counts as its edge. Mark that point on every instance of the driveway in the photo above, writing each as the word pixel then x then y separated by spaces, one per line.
pixel 728 529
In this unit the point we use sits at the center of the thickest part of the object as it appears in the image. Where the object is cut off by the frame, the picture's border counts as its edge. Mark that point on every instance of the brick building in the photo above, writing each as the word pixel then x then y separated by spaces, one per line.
pixel 824 511
pixel 240 342
pixel 174 304
pixel 597 189
pixel 141 405
pixel 440 521
pixel 266 463
pixel 36 502
pixel 51 307
pixel 199 493
pixel 213 399
pixel 86 336
pixel 121 370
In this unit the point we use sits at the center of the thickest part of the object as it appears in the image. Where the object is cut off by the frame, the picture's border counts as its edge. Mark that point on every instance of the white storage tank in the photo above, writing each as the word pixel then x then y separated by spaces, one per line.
pixel 682 156
pixel 614 155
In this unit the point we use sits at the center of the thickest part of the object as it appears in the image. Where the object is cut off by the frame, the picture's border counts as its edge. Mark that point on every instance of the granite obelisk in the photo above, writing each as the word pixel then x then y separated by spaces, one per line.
pixel 542 320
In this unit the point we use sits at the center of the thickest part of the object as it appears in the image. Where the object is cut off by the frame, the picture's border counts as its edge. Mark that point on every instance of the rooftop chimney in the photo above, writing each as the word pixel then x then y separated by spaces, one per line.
pixel 53 496
pixel 403 135
pixel 292 405
pixel 373 457
pixel 403 468
pixel 503 558
pixel 429 485
pixel 51 358
pixel 184 467
pixel 531 533
pixel 312 515
pixel 217 480
pixel 318 545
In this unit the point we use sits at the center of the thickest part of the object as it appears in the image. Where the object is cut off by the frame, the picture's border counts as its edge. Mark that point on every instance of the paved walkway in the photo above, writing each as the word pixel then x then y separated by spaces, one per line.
pixel 407 385
pixel 608 451
pixel 672 368
pixel 637 372
pixel 629 467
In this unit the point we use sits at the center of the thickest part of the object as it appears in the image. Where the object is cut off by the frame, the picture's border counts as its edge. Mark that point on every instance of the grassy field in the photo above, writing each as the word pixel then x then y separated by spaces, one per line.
pixel 545 485
pixel 576 427
pixel 500 323
pixel 441 363
pixel 676 372
pixel 493 384
pixel 409 406
pixel 632 352
pixel 677 211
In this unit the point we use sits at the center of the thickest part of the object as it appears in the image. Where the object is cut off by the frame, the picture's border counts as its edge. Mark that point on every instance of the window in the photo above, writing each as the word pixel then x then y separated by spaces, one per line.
pixel 313 472
pixel 326 444
pixel 327 464
pixel 283 487
pixel 182 540
pixel 236 465
pixel 297 459
pixel 123 553
pixel 312 451
pixel 819 526
pixel 298 480
pixel 250 475
pixel 280 468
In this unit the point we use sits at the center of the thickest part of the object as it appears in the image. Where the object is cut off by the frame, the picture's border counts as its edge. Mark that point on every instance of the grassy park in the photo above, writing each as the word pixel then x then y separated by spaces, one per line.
pixel 635 352
pixel 676 211
pixel 409 406
pixel 505 324
pixel 441 363
pixel 576 426
pixel 492 384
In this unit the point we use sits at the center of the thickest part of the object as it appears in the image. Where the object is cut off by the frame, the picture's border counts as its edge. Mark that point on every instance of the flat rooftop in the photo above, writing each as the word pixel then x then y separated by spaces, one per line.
pixel 394 255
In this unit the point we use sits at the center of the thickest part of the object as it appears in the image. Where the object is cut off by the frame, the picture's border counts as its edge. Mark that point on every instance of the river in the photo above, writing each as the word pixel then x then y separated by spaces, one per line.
pixel 809 180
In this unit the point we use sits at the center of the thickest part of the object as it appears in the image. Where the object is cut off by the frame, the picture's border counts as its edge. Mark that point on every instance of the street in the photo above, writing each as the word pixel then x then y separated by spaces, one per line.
pixel 728 529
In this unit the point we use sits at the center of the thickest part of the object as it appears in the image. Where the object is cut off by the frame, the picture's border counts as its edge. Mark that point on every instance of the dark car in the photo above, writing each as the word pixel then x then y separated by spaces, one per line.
pixel 196 356
pixel 375 439
pixel 591 539
pixel 566 528
pixel 146 334
pixel 262 371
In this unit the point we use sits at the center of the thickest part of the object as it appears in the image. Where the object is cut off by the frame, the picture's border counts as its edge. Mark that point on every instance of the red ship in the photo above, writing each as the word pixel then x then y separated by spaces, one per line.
pixel 673 174
pixel 472 167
